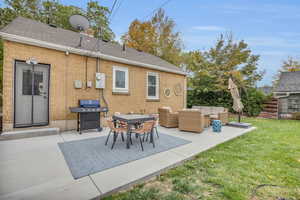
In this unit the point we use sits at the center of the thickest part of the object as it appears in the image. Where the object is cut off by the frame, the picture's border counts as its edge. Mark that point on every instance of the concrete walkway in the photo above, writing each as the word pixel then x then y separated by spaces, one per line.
pixel 34 168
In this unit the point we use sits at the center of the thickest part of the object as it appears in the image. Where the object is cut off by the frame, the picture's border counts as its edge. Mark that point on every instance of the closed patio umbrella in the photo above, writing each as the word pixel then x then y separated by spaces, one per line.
pixel 237 103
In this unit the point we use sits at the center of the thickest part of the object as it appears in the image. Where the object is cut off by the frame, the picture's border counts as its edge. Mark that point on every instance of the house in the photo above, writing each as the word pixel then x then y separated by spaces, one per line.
pixel 288 94
pixel 48 69
pixel 267 90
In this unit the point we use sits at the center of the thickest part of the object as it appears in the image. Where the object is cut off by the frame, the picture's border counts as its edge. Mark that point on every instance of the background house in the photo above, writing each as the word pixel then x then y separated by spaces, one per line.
pixel 48 69
pixel 267 90
pixel 288 94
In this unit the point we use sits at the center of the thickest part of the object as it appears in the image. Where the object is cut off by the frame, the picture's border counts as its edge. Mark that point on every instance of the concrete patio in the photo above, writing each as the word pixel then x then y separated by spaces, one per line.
pixel 34 168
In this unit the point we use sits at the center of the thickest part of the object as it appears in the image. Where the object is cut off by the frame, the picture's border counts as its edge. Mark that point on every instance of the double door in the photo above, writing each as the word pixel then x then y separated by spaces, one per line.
pixel 31 94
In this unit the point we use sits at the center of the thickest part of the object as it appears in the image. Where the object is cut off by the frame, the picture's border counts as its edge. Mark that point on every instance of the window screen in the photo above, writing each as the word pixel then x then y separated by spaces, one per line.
pixel 294 105
pixel 120 79
pixel 27 82
pixel 152 85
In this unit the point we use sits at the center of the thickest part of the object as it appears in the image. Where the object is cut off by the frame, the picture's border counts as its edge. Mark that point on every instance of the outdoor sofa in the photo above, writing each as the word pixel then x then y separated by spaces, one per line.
pixel 214 112
pixel 191 120
pixel 167 118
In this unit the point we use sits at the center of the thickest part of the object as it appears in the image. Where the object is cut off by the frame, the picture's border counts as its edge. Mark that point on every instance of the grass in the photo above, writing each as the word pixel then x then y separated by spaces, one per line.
pixel 269 155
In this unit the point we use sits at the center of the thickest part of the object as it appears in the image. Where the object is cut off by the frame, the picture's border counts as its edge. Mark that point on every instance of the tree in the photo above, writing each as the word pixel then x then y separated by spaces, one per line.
pixel 290 65
pixel 141 36
pixel 97 16
pixel 228 58
pixel 156 36
pixel 210 70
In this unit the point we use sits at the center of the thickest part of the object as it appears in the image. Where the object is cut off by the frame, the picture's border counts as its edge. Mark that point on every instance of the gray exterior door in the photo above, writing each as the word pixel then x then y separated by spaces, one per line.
pixel 31 94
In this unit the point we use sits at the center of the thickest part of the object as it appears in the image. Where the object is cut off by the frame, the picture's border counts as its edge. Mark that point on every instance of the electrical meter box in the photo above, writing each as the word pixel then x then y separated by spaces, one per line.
pixel 100 81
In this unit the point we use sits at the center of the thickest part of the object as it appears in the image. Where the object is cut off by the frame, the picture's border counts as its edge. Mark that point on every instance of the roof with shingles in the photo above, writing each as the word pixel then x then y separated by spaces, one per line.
pixel 289 82
pixel 29 28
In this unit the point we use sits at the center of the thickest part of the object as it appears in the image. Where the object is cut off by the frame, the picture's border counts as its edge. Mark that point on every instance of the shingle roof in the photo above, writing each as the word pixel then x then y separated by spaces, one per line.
pixel 289 82
pixel 43 32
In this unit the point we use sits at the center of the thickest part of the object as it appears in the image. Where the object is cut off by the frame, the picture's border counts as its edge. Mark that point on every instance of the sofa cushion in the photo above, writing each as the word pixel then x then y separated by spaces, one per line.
pixel 210 110
pixel 216 110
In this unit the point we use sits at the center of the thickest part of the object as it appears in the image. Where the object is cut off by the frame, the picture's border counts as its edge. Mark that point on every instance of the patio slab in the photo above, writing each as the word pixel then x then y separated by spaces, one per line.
pixel 120 177
pixel 34 168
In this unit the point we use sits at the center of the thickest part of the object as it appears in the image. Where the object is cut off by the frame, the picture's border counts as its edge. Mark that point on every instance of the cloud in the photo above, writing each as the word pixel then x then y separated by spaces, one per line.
pixel 208 28
pixel 278 42
pixel 274 10
pixel 199 41
pixel 274 53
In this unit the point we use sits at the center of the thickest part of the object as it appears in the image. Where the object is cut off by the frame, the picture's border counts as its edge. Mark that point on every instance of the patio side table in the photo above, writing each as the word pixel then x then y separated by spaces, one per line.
pixel 217 126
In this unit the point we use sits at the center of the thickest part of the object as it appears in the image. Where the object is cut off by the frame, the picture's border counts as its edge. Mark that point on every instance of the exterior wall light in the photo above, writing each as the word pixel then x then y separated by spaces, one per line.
pixel 31 61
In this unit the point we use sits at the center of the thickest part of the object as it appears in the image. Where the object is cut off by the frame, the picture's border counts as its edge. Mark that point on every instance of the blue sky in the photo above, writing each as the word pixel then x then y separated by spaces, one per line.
pixel 270 27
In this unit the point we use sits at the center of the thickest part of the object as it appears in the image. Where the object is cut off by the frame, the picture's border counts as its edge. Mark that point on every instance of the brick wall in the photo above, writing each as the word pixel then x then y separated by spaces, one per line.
pixel 67 68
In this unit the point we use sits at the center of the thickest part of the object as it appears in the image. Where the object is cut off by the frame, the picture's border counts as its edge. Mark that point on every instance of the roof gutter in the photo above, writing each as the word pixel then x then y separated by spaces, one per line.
pixel 284 94
pixel 39 43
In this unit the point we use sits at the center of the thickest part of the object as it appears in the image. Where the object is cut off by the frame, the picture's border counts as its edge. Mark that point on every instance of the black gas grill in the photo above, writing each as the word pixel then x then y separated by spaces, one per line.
pixel 88 115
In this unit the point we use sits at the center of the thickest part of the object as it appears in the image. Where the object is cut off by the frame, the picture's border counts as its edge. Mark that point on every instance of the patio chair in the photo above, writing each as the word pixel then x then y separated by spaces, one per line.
pixel 120 123
pixel 155 124
pixel 146 128
pixel 116 131
pixel 191 120
pixel 167 118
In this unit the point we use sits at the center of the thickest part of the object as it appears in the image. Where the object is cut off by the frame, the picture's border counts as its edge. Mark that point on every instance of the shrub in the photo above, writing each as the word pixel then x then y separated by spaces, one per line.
pixel 252 99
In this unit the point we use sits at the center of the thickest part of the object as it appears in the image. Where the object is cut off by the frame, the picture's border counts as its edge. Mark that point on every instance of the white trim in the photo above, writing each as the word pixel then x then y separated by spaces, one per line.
pixel 156 86
pixel 123 69
pixel 281 94
pixel 39 43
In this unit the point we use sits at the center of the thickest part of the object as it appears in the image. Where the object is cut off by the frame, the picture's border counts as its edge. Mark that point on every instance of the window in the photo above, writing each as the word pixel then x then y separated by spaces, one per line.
pixel 120 79
pixel 152 85
pixel 27 82
pixel 38 83
pixel 294 104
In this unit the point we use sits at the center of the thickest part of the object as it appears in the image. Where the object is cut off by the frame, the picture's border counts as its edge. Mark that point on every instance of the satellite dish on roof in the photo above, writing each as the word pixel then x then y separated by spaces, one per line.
pixel 79 22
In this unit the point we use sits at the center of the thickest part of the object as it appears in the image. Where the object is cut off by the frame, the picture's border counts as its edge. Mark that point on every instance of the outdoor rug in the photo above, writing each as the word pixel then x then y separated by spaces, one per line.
pixel 89 156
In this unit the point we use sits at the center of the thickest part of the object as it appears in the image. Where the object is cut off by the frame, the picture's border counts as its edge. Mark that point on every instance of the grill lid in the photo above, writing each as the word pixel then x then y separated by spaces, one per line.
pixel 89 103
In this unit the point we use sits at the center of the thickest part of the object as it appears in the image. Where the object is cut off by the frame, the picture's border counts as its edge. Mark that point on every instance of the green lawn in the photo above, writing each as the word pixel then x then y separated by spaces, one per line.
pixel 268 155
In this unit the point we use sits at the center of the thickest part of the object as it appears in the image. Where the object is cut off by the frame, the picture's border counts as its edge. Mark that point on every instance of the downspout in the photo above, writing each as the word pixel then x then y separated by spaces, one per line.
pixel 86 73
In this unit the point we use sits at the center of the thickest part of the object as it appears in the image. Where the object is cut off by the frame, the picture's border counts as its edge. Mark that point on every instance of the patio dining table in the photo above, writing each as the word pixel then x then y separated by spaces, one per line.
pixel 132 120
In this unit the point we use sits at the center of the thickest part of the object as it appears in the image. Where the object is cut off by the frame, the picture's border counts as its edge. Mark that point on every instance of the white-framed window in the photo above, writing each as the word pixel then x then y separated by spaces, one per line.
pixel 152 85
pixel 120 79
